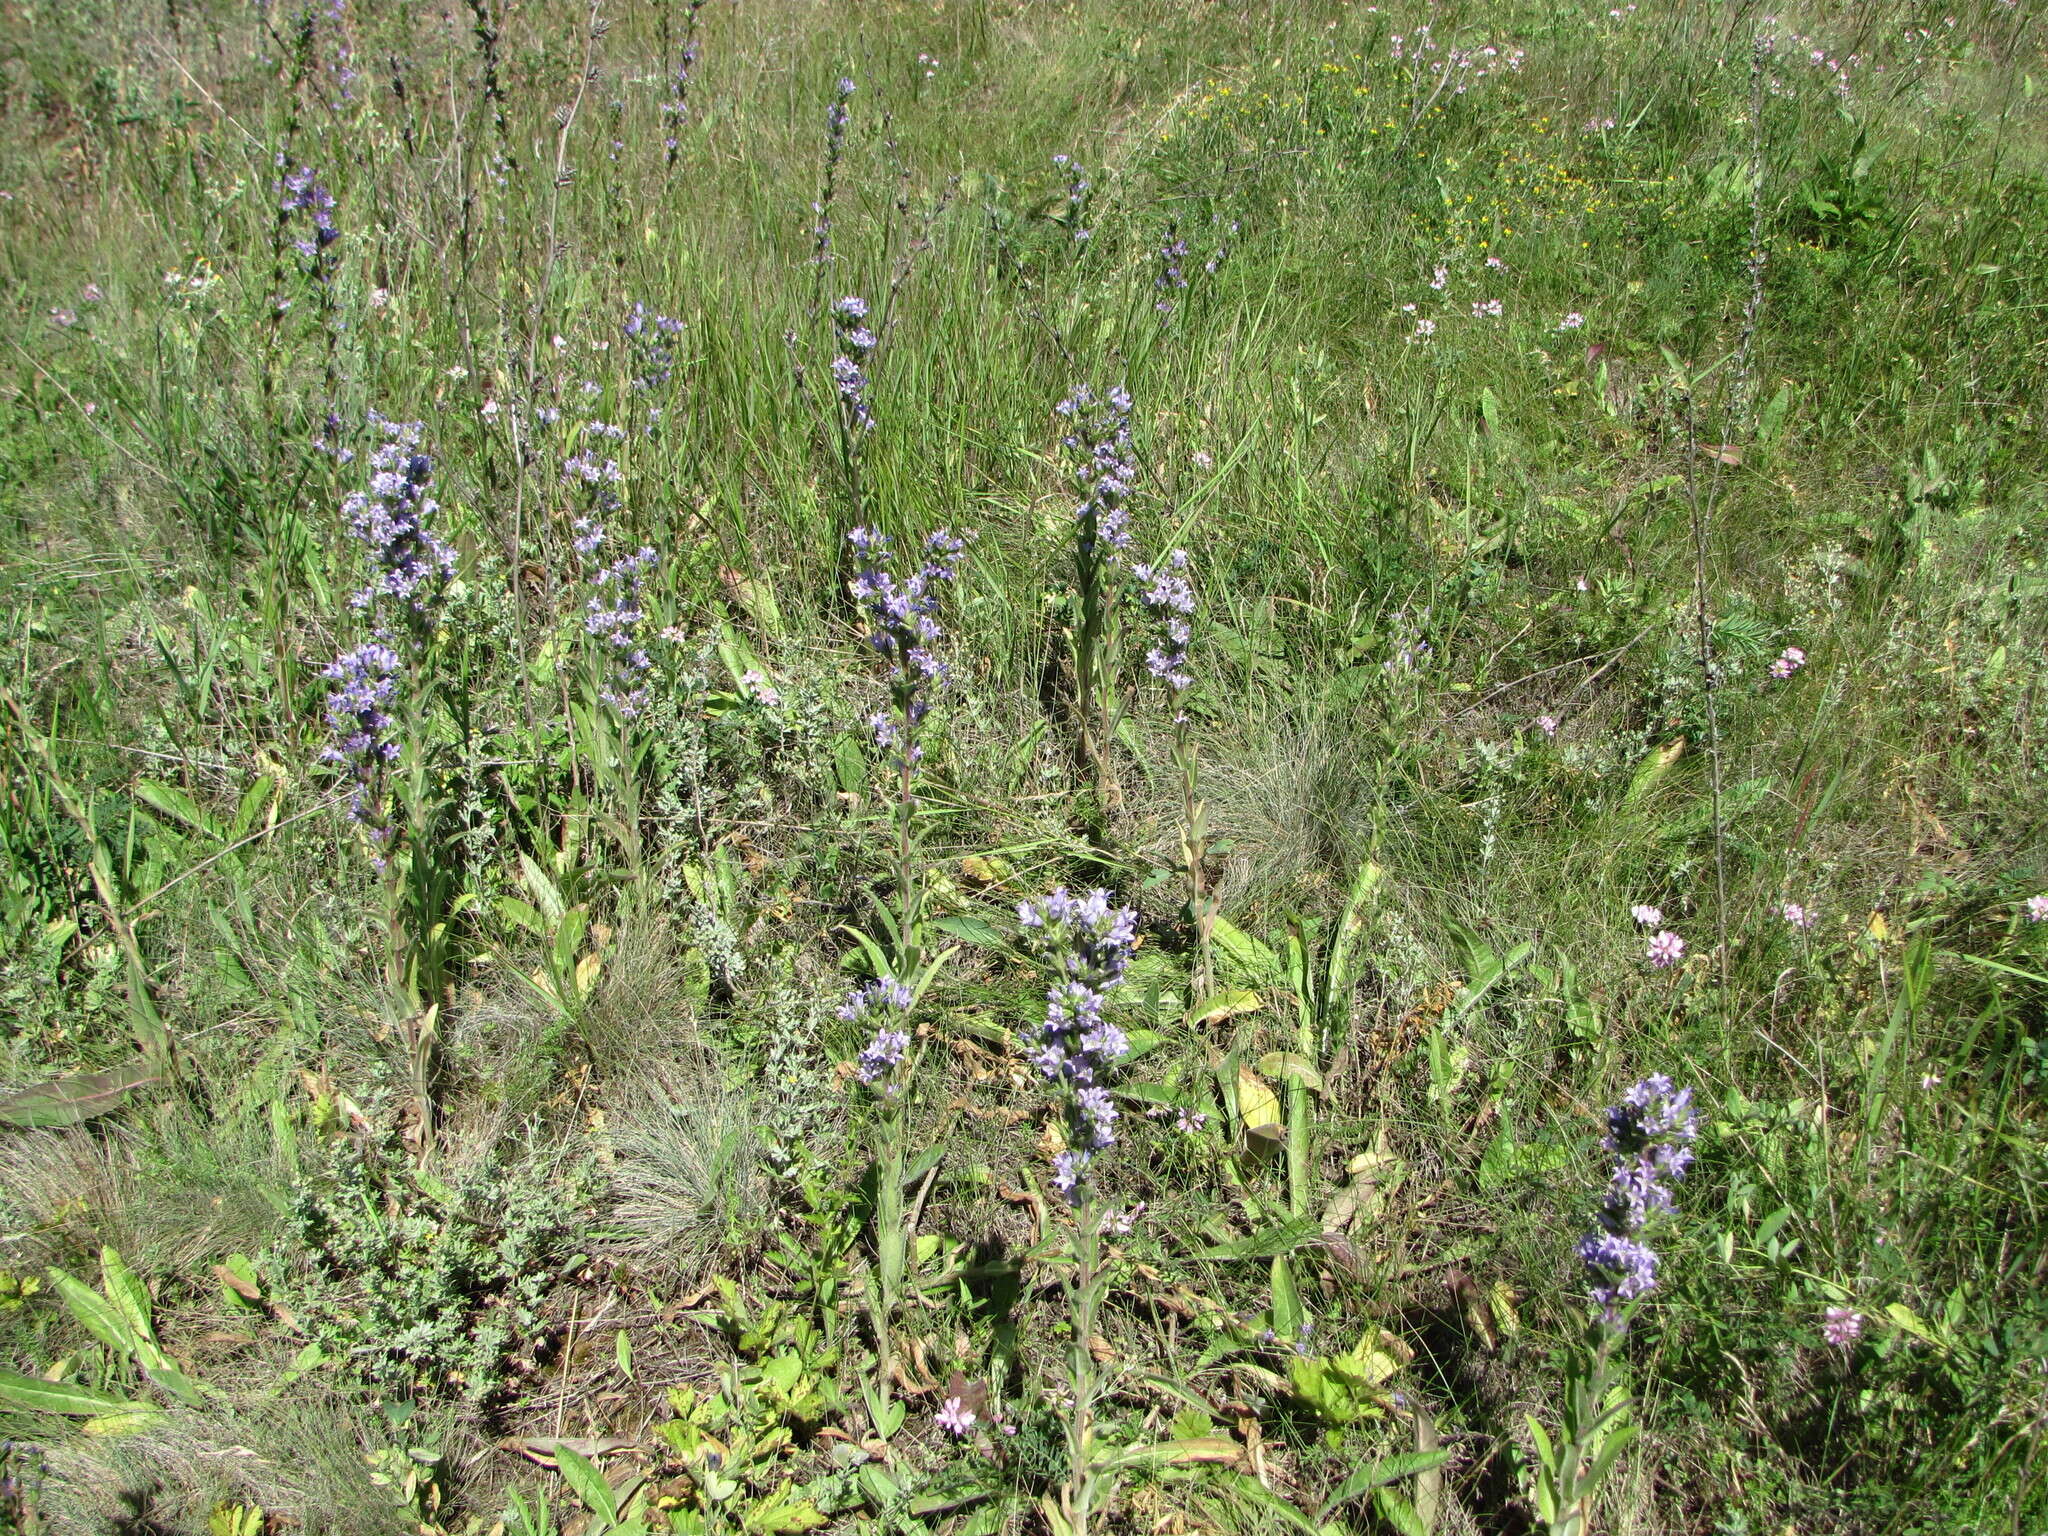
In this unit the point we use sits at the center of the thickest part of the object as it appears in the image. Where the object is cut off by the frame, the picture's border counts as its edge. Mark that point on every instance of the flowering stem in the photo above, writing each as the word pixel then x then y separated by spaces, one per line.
pixel 909 884
pixel 892 1247
pixel 1084 1298
pixel 1593 1431
pixel 1194 853
pixel 1088 646
pixel 394 926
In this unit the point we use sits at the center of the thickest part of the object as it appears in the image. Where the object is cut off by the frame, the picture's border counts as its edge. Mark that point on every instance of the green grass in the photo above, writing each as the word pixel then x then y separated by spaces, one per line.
pixel 553 1134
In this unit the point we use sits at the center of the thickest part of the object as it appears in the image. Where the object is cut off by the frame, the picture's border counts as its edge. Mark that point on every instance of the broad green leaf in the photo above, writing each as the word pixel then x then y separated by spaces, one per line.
pixel 94 1312
pixel 587 1483
pixel 1398 1512
pixel 1253 961
pixel 253 797
pixel 1288 1315
pixel 179 806
pixel 1909 1320
pixel 131 1418
pixel 63 1397
pixel 1252 1492
pixel 1210 1450
pixel 128 1296
pixel 176 1382
pixel 1388 1469
pixel 1271 1243
pixel 1296 1068
pixel 970 930
pixel 1227 1004
pixel 77 1099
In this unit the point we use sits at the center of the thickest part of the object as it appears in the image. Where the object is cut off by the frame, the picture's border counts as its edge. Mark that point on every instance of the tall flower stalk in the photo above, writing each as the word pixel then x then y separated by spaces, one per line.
pixel 1098 440
pixel 675 111
pixel 886 1067
pixel 301 194
pixel 1086 944
pixel 615 627
pixel 376 724
pixel 1166 596
pixel 1650 1132
pixel 901 603
pixel 853 347
pixel 902 611
pixel 376 713
pixel 837 117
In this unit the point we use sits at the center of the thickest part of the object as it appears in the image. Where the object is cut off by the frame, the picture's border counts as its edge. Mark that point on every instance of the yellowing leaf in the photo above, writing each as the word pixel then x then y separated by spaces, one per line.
pixel 1258 1111
pixel 985 871
pixel 586 973
pixel 1227 1004
pixel 1287 1064
pixel 126 1422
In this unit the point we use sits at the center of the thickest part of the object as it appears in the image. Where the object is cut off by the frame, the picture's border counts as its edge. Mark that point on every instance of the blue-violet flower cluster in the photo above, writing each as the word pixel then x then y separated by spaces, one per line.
pixel 1171 276
pixel 1100 440
pixel 1087 942
pixel 1078 192
pixel 615 619
pixel 903 614
pixel 1651 1133
pixel 393 519
pixel 856 341
pixel 300 191
pixel 650 342
pixel 359 721
pixel 887 1001
pixel 1168 598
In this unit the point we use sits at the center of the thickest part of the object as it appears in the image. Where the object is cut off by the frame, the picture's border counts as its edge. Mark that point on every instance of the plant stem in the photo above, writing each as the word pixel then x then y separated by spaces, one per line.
pixel 1194 852
pixel 1088 645
pixel 1077 1499
pixel 891 1247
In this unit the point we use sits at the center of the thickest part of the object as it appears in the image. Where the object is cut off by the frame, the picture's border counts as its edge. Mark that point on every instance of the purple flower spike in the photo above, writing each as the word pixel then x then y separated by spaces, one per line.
pixel 1651 1131
pixel 955 1418
pixel 888 1001
pixel 902 607
pixel 1087 943
pixel 409 563
pixel 1099 438
pixel 1666 950
pixel 1168 600
pixel 360 724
